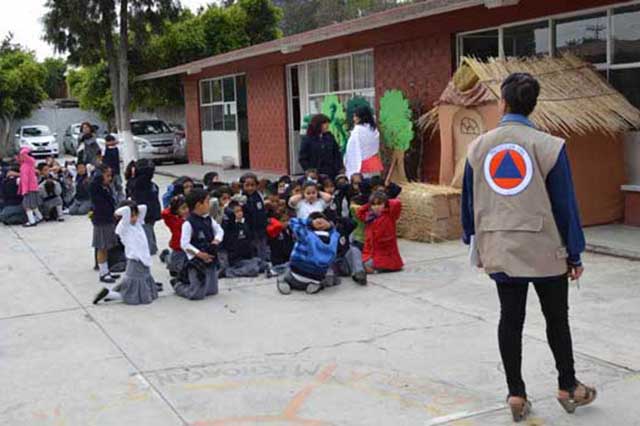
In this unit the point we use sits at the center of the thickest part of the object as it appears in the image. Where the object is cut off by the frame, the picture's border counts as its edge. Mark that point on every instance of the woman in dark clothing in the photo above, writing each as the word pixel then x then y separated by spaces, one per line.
pixel 319 149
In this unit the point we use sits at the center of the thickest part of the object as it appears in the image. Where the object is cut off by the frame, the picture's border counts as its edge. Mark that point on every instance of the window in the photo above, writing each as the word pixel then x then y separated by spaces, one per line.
pixel 481 45
pixel 527 40
pixel 345 76
pixel 218 109
pixel 585 36
pixel 608 37
pixel 626 35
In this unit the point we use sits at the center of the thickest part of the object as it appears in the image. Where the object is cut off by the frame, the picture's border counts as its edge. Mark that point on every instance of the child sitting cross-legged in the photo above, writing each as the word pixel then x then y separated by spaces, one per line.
pixel 81 203
pixel 380 215
pixel 241 254
pixel 313 254
pixel 280 240
pixel 201 236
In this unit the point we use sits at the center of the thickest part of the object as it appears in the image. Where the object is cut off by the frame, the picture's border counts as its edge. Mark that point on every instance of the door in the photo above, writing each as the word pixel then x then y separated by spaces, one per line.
pixel 294 119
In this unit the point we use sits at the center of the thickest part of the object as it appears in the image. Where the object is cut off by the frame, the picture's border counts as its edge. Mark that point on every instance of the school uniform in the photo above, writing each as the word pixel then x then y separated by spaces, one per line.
pixel 177 257
pixel 51 200
pixel 111 158
pixel 145 191
pixel 81 204
pixel 349 257
pixel 11 212
pixel 137 285
pixel 255 214
pixel 104 206
pixel 241 254
pixel 280 243
pixel 199 279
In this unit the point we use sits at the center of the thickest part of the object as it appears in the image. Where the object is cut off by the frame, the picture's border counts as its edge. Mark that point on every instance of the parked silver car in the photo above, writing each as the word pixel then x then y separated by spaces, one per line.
pixel 155 140
pixel 39 139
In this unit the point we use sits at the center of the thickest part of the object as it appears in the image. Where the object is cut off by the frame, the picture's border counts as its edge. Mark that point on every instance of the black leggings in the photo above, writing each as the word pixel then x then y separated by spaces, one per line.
pixel 553 297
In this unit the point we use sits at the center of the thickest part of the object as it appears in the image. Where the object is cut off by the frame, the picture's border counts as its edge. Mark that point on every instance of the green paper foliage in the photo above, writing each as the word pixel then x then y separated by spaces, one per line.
pixel 332 108
pixel 305 123
pixel 395 120
pixel 352 105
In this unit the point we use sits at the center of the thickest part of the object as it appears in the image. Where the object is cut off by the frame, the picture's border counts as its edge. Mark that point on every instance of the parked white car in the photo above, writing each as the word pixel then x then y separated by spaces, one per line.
pixel 39 139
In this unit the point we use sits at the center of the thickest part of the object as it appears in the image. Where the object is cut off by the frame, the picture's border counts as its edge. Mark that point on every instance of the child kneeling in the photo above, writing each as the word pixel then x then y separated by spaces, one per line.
pixel 313 255
pixel 380 215
pixel 200 238
pixel 137 286
pixel 242 260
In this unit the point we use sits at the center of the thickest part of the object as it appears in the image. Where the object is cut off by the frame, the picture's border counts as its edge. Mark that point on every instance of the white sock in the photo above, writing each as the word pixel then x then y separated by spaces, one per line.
pixel 31 216
pixel 104 269
pixel 38 214
pixel 114 295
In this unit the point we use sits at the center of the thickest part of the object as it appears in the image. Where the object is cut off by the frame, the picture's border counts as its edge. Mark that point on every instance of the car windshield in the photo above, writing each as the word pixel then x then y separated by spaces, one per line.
pixel 149 128
pixel 76 130
pixel 36 131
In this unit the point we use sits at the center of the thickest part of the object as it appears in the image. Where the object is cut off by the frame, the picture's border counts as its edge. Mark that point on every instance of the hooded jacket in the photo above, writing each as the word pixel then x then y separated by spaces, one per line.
pixel 28 177
pixel 312 257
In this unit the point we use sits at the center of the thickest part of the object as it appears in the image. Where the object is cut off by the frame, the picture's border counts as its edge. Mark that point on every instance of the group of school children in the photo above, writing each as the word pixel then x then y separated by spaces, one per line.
pixel 307 232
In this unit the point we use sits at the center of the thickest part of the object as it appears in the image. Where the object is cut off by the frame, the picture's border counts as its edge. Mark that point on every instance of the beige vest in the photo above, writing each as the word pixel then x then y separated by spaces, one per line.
pixel 516 232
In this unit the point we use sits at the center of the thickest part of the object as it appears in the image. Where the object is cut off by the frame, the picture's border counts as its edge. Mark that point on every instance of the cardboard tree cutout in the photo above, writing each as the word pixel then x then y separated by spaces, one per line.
pixel 352 105
pixel 397 130
pixel 332 108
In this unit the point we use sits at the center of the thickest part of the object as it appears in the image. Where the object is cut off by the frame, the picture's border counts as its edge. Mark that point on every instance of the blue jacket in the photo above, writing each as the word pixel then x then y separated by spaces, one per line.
pixel 563 203
pixel 311 257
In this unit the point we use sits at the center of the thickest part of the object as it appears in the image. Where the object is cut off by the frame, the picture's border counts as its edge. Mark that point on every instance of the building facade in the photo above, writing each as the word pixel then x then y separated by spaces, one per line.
pixel 247 106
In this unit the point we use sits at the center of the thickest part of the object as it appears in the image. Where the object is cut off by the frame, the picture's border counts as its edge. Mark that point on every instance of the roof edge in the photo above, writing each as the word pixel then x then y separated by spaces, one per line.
pixel 296 41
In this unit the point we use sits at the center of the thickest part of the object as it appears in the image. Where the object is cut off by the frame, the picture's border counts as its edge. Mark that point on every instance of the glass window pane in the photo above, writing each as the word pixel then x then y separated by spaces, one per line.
pixel 206 118
pixel 584 36
pixel 230 116
pixel 315 105
pixel 628 83
pixel 626 35
pixel 216 89
pixel 317 77
pixel 527 40
pixel 340 74
pixel 363 71
pixel 205 92
pixel 481 45
pixel 229 90
pixel 218 112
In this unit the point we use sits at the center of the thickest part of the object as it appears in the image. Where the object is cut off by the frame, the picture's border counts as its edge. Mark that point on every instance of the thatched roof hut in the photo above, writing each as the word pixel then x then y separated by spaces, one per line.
pixel 575 102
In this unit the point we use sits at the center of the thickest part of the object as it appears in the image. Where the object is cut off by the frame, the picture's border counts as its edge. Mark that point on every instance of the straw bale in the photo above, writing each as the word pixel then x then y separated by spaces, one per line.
pixel 430 213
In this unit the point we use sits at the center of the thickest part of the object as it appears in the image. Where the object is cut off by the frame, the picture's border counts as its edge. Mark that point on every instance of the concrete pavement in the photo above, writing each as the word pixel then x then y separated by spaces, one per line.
pixel 413 348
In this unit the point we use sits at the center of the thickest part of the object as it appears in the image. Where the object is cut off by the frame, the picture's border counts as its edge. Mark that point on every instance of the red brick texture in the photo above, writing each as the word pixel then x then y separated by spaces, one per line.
pixel 632 208
pixel 266 96
pixel 192 113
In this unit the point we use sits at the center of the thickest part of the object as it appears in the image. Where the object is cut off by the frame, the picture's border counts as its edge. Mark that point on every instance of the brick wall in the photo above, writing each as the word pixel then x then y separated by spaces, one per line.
pixel 266 97
pixel 192 118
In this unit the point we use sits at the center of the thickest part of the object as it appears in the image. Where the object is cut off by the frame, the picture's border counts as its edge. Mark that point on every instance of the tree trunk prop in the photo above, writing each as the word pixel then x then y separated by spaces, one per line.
pixel 397 171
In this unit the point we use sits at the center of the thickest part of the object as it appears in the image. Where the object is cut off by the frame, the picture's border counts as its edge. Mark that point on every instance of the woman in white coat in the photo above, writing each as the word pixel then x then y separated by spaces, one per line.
pixel 363 148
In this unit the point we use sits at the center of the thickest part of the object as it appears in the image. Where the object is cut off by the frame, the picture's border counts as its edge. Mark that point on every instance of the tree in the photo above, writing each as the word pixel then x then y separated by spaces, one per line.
pixel 397 130
pixel 21 87
pixel 55 69
pixel 261 20
pixel 93 30
pixel 91 87
pixel 333 109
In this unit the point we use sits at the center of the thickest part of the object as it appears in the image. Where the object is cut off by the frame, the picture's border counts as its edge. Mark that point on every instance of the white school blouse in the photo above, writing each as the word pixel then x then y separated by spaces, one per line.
pixel 363 143
pixel 187 232
pixel 133 237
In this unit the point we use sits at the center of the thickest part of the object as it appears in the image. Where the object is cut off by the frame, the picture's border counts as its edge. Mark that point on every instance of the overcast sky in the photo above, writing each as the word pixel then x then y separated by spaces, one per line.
pixel 23 20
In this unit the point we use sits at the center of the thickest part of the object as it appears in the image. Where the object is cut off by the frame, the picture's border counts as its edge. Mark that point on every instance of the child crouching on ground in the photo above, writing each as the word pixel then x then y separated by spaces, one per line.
pixel 313 254
pixel 280 240
pixel 380 215
pixel 241 255
pixel 137 286
pixel 201 236
pixel 174 217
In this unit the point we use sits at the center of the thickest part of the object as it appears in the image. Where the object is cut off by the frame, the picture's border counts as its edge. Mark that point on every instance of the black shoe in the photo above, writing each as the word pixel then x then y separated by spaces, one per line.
pixel 114 276
pixel 222 273
pixel 159 286
pixel 101 295
pixel 360 278
pixel 108 279
pixel 173 282
pixel 163 255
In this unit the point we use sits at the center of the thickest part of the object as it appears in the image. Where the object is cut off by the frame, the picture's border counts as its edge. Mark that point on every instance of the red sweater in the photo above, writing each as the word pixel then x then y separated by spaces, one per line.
pixel 380 241
pixel 174 223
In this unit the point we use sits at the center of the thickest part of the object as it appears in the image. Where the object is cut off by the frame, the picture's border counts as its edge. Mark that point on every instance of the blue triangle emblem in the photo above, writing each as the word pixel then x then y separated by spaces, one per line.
pixel 507 169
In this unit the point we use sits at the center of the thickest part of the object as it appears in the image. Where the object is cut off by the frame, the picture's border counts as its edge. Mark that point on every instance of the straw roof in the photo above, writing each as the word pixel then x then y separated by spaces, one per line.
pixel 574 98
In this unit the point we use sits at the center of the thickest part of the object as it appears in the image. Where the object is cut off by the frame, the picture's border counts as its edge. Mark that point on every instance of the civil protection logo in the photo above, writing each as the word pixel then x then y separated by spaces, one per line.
pixel 508 169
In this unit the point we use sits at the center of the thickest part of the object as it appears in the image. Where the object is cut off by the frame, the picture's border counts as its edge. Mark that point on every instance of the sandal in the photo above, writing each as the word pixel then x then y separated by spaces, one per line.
pixel 520 407
pixel 572 402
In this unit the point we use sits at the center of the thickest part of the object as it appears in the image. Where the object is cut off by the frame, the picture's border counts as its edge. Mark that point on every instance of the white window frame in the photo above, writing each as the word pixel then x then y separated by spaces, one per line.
pixel 605 66
pixel 222 102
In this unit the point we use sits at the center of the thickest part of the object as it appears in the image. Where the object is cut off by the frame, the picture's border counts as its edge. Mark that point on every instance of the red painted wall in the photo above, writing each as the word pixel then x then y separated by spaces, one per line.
pixel 415 56
pixel 192 113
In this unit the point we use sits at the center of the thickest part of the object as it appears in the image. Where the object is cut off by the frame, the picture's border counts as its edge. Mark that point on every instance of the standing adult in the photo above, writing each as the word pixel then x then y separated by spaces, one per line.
pixel 363 148
pixel 88 148
pixel 319 149
pixel 519 205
